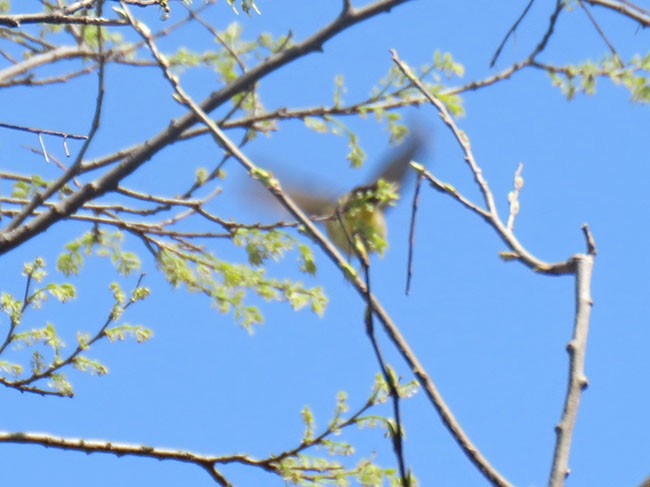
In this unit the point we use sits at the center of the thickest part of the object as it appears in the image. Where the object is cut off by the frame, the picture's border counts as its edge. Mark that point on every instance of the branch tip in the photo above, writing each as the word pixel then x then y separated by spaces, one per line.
pixel 589 240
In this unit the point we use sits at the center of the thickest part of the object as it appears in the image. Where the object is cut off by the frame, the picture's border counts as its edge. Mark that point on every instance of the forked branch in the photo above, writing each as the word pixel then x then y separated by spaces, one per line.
pixel 580 265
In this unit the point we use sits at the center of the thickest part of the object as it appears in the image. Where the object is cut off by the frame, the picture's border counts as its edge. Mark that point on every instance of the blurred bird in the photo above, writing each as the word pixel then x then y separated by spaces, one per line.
pixel 355 222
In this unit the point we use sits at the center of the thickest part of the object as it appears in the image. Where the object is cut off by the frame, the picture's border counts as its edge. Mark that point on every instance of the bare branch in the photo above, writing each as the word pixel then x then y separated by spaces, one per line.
pixel 577 379
pixel 510 32
pixel 414 209
pixel 48 57
pixel 391 329
pixel 589 238
pixel 490 213
pixel 9 75
pixel 118 449
pixel 581 265
pixel 395 433
pixel 633 11
pixel 16 20
pixel 600 31
pixel 32 130
pixel 559 5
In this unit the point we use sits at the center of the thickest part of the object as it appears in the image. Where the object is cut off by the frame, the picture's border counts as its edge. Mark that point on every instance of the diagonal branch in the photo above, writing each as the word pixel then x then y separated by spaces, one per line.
pixel 396 431
pixel 581 265
pixel 641 15
pixel 173 130
pixel 489 213
pixel 390 327
pixel 48 57
pixel 600 31
pixel 510 32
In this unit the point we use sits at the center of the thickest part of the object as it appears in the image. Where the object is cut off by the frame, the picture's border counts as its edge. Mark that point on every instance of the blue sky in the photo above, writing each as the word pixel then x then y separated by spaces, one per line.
pixel 491 334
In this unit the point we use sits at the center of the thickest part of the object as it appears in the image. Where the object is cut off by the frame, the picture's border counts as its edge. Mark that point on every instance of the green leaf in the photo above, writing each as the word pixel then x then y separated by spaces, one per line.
pixel 310 425
pixel 93 367
pixel 124 331
pixel 10 368
pixel 105 244
pixel 226 284
pixel 63 292
pixel 306 259
pixel 315 124
pixel 60 383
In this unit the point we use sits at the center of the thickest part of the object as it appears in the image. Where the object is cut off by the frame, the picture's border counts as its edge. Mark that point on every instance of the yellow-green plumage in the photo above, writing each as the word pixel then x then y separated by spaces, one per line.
pixel 365 228
pixel 357 219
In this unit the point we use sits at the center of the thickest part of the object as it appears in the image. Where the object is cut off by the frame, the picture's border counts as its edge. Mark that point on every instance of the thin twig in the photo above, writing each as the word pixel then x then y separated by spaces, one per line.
pixel 74 355
pixel 393 101
pixel 396 435
pixel 600 31
pixel 510 32
pixel 559 5
pixel 73 170
pixel 581 265
pixel 490 213
pixel 56 161
pixel 43 149
pixel 391 329
pixel 54 133
pixel 589 238
pixel 414 209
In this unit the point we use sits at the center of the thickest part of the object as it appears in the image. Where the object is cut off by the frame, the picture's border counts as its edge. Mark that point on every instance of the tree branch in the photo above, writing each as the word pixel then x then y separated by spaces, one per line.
pixel 391 329
pixel 16 20
pixel 510 32
pixel 118 449
pixel 584 264
pixel 641 15
pixel 144 152
pixel 73 170
pixel 581 265
pixel 490 213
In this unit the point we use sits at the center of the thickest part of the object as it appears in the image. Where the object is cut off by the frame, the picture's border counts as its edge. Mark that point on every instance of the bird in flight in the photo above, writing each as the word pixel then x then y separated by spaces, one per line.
pixel 356 222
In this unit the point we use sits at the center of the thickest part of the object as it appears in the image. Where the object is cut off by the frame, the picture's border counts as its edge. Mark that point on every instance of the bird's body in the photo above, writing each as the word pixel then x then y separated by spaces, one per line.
pixel 363 227
pixel 356 222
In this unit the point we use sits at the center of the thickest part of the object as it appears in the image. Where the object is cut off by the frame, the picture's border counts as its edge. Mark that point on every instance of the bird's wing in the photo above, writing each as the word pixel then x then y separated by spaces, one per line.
pixel 313 201
pixel 394 167
pixel 312 204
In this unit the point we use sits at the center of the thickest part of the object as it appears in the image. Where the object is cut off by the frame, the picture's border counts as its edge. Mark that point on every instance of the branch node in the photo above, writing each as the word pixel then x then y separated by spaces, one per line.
pixel 571 346
pixel 584 383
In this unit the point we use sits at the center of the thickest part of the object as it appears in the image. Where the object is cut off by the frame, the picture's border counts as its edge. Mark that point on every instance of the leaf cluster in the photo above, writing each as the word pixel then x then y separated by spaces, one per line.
pixel 49 357
pixel 634 75
pixel 226 283
pixel 330 465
